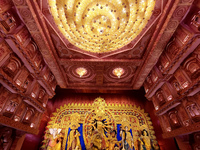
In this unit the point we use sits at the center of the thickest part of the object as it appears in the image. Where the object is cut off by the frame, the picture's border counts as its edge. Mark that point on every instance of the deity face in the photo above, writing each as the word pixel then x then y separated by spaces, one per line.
pixel 126 128
pixel 73 127
pixel 113 134
pixel 145 133
pixel 99 118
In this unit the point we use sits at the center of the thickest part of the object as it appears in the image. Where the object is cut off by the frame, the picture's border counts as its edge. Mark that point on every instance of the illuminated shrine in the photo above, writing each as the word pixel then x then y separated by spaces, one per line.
pixel 100 126
pixel 99 74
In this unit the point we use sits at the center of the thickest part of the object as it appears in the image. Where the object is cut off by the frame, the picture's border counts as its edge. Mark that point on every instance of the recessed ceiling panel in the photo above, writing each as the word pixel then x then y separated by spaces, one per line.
pixel 101 26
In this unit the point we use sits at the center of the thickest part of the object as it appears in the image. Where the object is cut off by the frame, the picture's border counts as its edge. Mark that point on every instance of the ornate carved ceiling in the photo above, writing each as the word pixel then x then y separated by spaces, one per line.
pixel 144 28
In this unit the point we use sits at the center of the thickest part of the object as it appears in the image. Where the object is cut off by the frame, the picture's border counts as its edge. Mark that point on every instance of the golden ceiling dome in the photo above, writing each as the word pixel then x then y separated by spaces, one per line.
pixel 101 25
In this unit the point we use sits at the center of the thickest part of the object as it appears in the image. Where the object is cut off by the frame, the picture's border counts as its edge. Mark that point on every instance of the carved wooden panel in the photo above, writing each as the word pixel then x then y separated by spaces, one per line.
pixel 12 66
pixel 160 97
pixel 11 106
pixel 35 120
pixel 182 78
pixel 20 112
pixel 9 21
pixel 196 142
pixel 146 86
pixel 192 66
pixel 155 102
pixel 182 113
pixel 174 119
pixel 165 124
pixel 172 48
pixel 193 109
pixel 5 5
pixel 21 79
pixel 163 62
pixel 4 95
pixel 7 136
pixel 28 81
pixel 29 114
pixel 31 49
pixel 195 20
pixel 175 84
pixel 41 95
pixel 4 51
pixel 23 36
pixel 168 92
pixel 35 90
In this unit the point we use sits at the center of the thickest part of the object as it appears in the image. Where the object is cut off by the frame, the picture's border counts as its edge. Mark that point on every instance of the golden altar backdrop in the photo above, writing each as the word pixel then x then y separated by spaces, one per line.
pixel 99 126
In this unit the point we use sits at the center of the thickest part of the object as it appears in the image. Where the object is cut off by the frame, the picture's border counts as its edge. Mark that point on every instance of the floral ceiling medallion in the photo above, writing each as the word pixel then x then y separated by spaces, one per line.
pixel 101 26
pixel 118 72
pixel 81 71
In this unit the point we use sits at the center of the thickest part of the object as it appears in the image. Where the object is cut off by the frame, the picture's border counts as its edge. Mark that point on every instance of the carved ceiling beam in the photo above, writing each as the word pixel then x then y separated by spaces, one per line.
pixel 182 131
pixel 32 17
pixel 136 62
pixel 108 87
pixel 173 13
pixel 99 76
pixel 17 125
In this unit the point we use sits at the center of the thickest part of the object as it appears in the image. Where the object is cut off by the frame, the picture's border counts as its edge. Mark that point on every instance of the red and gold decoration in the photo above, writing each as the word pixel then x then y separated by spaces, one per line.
pixel 87 126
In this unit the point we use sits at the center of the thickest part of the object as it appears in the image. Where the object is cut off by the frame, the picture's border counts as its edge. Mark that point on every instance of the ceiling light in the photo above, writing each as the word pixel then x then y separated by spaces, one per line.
pixel 81 71
pixel 118 72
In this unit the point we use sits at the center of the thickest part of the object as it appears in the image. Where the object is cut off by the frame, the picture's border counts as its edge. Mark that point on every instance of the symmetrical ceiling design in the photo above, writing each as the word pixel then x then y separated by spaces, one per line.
pixel 101 26
pixel 129 34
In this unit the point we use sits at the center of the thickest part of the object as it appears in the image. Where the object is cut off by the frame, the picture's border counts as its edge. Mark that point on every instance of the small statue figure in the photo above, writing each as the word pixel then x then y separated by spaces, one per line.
pixel 98 134
pixel 145 140
pixel 127 140
pixel 113 140
pixel 52 142
pixel 73 142
pixel 58 145
pixel 53 136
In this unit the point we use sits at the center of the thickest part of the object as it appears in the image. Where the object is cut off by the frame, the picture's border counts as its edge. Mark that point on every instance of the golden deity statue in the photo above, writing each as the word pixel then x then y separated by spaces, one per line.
pixel 99 124
pixel 58 145
pixel 54 143
pixel 127 139
pixel 99 127
pixel 73 142
pixel 145 140
pixel 112 140
pixel 54 135
pixel 135 131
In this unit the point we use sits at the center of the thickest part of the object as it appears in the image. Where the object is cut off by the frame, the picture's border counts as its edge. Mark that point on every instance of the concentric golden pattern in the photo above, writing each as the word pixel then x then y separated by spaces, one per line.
pixel 101 25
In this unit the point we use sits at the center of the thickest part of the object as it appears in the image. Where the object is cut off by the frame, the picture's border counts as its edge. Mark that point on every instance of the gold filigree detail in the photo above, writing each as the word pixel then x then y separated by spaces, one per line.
pixel 65 119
